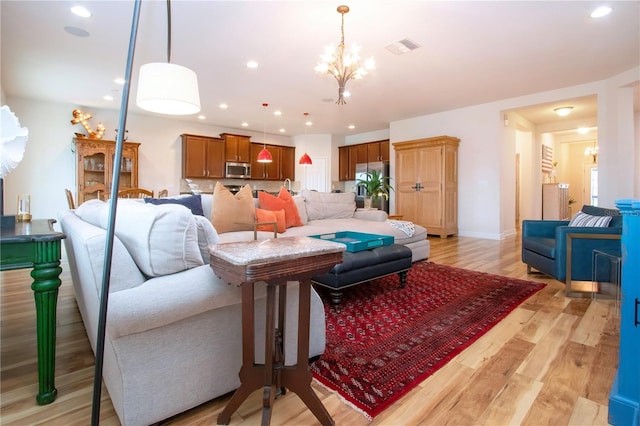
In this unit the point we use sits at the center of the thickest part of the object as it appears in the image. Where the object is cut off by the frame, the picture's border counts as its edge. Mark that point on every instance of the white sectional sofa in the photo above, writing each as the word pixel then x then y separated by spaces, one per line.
pixel 173 338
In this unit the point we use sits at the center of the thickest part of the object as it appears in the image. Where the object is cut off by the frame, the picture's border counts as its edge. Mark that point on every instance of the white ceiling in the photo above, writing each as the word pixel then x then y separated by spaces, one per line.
pixel 471 53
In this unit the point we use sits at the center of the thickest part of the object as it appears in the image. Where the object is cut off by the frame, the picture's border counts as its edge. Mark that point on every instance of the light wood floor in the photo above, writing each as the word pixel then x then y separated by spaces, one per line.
pixel 550 362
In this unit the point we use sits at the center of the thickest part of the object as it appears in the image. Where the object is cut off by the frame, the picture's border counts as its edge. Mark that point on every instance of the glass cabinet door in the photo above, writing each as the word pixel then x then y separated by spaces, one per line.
pixel 94 175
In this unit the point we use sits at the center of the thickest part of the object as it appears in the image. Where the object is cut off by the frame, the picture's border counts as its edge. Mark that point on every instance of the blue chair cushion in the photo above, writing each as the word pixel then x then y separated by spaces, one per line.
pixel 543 246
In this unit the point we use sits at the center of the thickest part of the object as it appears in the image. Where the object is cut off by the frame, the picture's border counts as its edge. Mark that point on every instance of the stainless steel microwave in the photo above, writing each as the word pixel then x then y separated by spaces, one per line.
pixel 238 170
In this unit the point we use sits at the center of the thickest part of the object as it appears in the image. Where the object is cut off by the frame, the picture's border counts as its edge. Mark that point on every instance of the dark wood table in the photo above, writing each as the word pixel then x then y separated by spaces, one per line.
pixel 272 263
pixel 36 245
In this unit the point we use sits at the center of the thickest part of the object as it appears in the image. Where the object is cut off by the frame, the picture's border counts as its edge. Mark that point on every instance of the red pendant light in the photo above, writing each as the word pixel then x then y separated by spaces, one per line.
pixel 264 156
pixel 305 160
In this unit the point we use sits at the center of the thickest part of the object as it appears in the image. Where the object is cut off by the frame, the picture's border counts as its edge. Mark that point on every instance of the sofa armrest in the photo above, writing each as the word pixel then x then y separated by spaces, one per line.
pixel 373 215
pixel 168 299
pixel 541 228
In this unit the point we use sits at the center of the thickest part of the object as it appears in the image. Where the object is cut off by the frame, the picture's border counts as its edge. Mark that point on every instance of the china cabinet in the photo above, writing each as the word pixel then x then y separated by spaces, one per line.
pixel 94 165
pixel 555 201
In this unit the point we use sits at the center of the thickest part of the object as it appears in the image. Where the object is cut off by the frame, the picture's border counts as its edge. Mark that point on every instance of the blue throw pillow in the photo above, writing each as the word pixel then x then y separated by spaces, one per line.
pixel 192 202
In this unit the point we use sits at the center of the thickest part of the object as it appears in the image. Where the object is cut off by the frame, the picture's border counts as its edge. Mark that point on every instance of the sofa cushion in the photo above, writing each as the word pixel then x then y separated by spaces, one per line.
pixel 162 239
pixel 283 201
pixel 329 205
pixel 231 212
pixel 192 202
pixel 584 219
pixel 278 216
pixel 543 246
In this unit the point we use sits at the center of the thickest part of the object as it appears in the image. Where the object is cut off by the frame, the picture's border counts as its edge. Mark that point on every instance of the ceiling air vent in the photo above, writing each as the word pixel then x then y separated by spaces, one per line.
pixel 402 46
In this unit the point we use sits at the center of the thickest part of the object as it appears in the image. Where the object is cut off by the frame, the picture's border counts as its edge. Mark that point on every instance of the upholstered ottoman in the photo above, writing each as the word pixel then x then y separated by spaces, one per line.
pixel 363 266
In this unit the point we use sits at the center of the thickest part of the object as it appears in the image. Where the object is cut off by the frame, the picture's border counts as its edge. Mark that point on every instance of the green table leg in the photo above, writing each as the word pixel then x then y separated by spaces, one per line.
pixel 46 281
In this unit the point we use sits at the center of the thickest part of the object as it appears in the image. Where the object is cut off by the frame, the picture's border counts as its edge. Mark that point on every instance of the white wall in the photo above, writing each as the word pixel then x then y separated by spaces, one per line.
pixel 486 182
pixel 48 166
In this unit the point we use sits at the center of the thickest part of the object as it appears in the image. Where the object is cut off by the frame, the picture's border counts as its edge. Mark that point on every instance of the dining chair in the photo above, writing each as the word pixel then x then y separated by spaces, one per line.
pixel 163 193
pixel 69 194
pixel 135 193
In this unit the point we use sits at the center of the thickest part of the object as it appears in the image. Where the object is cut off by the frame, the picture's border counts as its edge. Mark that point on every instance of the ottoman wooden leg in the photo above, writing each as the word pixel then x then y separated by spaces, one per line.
pixel 403 278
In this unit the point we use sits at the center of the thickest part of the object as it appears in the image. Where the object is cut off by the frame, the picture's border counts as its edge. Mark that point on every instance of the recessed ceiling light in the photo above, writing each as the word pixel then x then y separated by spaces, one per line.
pixel 107 97
pixel 223 106
pixel 583 130
pixel 308 123
pixel 351 126
pixel 276 112
pixel 245 124
pixel 119 80
pixel 600 12
pixel 201 117
pixel 563 111
pixel 282 130
pixel 81 11
pixel 252 64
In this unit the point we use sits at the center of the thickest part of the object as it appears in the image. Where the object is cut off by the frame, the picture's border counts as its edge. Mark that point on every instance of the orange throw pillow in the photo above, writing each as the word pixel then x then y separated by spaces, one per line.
pixel 284 201
pixel 277 216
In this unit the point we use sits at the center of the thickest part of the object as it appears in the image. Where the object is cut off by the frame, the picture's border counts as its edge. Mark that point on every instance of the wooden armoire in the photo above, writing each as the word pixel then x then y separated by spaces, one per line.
pixel 427 183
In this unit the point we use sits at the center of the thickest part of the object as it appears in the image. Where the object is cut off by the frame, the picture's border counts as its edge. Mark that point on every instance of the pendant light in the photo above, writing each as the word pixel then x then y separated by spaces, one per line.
pixel 264 156
pixel 305 160
pixel 168 88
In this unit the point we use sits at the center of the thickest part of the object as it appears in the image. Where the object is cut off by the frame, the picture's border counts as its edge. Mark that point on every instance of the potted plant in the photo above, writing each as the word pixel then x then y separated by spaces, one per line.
pixel 375 186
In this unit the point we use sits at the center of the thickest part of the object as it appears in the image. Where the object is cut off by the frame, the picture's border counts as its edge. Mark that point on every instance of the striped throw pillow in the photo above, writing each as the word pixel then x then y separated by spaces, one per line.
pixel 583 219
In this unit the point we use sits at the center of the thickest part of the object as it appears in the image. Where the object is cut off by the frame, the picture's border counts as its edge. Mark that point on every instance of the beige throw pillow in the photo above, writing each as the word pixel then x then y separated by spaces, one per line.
pixel 232 212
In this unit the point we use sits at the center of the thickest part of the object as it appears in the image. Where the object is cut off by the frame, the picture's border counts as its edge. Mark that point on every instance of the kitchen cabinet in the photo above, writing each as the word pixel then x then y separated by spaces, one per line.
pixel 377 151
pixel 343 163
pixel 282 166
pixel 237 147
pixel 350 155
pixel 95 160
pixel 427 183
pixel 202 156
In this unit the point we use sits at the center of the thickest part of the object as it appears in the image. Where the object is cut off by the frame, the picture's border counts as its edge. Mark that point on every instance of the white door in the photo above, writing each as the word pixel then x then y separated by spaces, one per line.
pixel 315 175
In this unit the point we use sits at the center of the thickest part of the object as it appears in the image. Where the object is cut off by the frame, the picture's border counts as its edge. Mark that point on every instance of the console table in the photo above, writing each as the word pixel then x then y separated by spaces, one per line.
pixel 36 245
pixel 272 263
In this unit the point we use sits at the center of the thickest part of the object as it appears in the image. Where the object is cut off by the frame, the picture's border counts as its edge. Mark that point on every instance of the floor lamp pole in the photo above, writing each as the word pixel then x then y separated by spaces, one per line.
pixel 108 249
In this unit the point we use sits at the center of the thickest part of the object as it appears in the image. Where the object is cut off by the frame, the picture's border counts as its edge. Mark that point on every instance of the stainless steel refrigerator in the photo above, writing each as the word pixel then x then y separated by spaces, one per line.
pixel 380 203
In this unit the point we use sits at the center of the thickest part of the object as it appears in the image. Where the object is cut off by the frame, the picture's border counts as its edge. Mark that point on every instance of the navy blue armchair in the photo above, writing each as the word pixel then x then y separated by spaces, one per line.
pixel 546 245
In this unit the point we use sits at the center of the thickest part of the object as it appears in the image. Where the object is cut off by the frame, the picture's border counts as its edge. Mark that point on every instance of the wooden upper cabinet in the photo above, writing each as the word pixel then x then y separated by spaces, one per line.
pixel 343 163
pixel 202 157
pixel 95 164
pixel 282 166
pixel 287 163
pixel 378 151
pixel 237 147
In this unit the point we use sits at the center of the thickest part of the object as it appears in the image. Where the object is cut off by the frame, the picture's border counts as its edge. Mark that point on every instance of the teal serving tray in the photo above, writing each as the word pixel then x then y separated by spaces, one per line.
pixel 357 241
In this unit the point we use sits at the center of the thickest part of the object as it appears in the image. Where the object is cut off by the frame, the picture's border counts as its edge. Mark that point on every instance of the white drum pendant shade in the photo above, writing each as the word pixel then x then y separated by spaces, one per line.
pixel 167 88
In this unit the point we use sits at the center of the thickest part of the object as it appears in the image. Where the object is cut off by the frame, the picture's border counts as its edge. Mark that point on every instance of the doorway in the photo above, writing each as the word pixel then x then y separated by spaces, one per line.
pixel 590 185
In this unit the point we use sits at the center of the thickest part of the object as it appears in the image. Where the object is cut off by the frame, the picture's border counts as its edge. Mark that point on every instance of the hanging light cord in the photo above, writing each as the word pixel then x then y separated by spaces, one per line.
pixel 169 31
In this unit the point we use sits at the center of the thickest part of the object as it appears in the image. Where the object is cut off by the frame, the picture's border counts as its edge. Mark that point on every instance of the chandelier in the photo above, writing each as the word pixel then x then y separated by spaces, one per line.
pixel 343 66
pixel 593 152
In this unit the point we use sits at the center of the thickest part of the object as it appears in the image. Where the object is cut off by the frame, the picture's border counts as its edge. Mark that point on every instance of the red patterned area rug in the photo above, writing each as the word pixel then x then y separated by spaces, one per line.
pixel 382 341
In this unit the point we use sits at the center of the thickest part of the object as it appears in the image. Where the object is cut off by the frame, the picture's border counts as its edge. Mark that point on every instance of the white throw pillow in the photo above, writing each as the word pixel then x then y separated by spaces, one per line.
pixel 207 236
pixel 302 209
pixel 583 219
pixel 329 205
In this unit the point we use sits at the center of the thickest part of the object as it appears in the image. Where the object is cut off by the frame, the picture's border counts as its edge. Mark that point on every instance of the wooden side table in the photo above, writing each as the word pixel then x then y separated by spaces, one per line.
pixel 272 263
pixel 36 245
